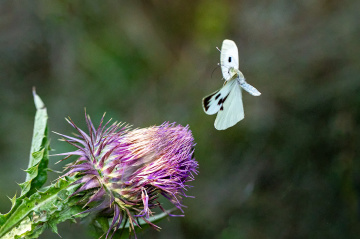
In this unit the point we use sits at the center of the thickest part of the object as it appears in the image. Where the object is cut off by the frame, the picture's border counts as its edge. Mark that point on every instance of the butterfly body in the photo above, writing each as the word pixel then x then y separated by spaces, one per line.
pixel 227 102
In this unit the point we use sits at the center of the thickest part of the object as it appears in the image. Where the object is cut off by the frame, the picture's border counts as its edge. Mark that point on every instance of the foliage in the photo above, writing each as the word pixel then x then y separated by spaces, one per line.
pixel 290 169
pixel 39 208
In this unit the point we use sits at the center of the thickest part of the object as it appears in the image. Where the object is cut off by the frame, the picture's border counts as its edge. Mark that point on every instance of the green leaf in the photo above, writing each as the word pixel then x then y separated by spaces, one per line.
pixel 44 209
pixel 39 157
pixel 22 228
pixel 39 154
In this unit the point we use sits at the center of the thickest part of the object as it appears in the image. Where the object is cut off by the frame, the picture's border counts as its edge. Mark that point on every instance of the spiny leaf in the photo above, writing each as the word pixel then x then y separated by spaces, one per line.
pixel 43 207
pixel 39 156
pixel 13 201
pixel 22 228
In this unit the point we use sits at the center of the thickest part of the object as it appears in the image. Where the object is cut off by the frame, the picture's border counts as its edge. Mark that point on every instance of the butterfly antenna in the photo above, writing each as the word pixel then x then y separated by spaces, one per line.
pixel 218 49
pixel 214 70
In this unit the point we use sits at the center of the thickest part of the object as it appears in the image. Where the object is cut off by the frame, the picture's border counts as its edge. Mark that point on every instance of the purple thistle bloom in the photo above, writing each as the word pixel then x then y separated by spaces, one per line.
pixel 125 171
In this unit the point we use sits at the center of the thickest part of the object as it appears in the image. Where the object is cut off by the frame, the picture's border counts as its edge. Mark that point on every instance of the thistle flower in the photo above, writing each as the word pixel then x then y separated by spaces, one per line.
pixel 123 171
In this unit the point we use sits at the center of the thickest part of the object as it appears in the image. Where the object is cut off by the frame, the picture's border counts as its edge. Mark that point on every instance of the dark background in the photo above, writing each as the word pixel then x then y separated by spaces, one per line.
pixel 290 169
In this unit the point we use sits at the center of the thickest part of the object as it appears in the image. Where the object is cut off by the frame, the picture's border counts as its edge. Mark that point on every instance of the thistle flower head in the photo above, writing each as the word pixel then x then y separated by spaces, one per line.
pixel 123 171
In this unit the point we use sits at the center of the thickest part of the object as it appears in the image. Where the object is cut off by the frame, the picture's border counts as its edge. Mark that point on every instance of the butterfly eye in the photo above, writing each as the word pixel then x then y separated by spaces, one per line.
pixel 229 59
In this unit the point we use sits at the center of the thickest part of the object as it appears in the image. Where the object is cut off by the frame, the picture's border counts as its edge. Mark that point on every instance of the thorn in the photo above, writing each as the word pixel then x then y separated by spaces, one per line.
pixel 53 170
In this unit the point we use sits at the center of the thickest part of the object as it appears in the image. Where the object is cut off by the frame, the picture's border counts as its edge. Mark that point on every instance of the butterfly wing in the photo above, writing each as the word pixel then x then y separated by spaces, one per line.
pixel 229 58
pixel 249 88
pixel 213 102
pixel 232 109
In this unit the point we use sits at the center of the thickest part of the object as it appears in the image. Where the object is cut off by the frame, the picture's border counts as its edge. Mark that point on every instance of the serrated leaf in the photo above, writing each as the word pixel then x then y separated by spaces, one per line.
pixel 44 207
pixel 25 187
pixel 54 227
pixel 39 154
pixel 19 230
pixel 32 169
pixel 39 157
pixel 13 200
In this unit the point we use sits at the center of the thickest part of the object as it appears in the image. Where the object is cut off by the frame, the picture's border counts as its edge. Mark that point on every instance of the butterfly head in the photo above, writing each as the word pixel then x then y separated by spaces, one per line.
pixel 235 73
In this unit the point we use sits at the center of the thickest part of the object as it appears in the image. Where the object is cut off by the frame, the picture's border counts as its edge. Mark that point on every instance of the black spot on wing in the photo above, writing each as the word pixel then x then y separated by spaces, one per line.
pixel 206 100
pixel 216 97
pixel 221 101
pixel 225 97
pixel 229 60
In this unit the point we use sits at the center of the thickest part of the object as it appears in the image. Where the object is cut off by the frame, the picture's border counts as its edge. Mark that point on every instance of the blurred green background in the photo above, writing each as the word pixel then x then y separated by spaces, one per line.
pixel 290 169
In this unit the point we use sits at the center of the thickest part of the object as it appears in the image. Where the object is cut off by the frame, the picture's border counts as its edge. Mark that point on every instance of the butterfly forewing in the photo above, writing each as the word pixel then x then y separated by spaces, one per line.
pixel 249 88
pixel 213 102
pixel 229 58
pixel 232 110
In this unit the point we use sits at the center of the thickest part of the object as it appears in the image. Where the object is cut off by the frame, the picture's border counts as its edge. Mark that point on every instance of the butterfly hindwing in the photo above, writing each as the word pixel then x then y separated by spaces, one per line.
pixel 229 58
pixel 232 110
pixel 213 102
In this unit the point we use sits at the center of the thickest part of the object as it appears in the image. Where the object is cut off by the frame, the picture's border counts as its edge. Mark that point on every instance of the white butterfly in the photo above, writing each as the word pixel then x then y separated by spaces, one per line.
pixel 227 101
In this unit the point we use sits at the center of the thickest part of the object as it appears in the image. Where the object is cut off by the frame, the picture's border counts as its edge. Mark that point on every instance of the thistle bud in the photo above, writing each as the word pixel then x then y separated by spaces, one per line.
pixel 123 172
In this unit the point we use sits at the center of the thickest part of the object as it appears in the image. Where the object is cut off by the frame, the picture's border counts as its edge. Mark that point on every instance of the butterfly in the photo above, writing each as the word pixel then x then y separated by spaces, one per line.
pixel 227 102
